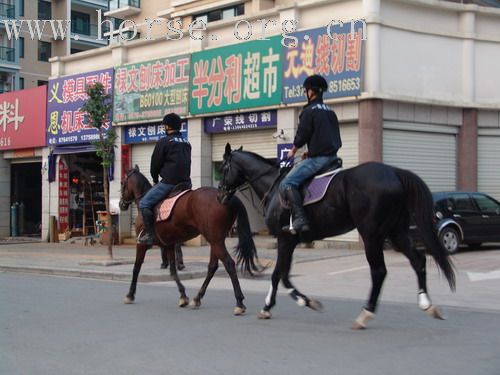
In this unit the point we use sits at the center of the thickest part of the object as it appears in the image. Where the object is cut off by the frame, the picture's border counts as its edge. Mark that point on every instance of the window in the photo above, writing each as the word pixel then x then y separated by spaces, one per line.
pixel 486 204
pixel 41 83
pixel 21 8
pixel 21 47
pixel 221 14
pixel 21 83
pixel 44 10
pixel 76 50
pixel 44 51
pixel 463 202
pixel 80 23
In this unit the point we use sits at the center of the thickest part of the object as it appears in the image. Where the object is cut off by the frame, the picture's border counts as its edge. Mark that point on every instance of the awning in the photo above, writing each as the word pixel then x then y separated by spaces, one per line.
pixel 73 149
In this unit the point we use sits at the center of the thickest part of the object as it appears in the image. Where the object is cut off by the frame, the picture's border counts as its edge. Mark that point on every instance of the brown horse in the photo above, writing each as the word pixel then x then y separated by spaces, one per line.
pixel 196 212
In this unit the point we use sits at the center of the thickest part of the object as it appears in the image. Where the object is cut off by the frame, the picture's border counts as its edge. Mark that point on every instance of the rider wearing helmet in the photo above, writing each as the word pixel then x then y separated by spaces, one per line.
pixel 319 129
pixel 171 160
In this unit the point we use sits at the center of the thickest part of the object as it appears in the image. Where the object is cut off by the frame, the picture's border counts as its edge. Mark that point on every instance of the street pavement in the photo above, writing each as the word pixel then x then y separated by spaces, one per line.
pixel 74 258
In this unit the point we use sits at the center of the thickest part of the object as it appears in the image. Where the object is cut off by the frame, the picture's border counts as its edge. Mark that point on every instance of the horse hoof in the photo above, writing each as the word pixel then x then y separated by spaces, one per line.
pixel 194 304
pixel 239 311
pixel 362 319
pixel 263 314
pixel 164 266
pixel 180 267
pixel 128 300
pixel 435 313
pixel 315 305
pixel 183 302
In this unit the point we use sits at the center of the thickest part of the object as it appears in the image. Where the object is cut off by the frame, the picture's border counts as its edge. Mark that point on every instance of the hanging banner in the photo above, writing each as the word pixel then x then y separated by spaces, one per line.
pixel 22 118
pixel 245 75
pixel 151 132
pixel 241 122
pixel 66 123
pixel 63 196
pixel 335 52
pixel 149 90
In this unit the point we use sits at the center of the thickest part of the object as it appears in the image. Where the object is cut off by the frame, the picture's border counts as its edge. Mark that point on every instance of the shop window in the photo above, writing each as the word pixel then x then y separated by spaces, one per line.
pixel 21 83
pixel 21 47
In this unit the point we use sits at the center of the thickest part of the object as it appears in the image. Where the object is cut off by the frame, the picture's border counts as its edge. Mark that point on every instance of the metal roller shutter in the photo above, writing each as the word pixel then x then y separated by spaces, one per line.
pixel 430 155
pixel 259 141
pixel 349 153
pixel 141 155
pixel 488 172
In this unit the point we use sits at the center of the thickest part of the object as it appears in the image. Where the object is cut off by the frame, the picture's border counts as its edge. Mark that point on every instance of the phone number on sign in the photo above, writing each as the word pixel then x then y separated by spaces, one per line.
pixel 347 84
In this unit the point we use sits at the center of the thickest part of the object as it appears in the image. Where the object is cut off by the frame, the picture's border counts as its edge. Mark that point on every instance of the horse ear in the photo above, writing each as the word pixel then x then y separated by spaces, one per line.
pixel 136 167
pixel 241 148
pixel 228 149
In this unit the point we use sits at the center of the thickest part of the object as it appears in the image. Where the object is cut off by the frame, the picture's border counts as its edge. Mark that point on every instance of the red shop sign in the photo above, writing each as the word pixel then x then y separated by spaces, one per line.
pixel 63 196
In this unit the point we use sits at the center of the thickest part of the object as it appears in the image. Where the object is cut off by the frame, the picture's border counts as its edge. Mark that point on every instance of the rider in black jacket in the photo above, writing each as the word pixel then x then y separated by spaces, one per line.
pixel 319 129
pixel 171 160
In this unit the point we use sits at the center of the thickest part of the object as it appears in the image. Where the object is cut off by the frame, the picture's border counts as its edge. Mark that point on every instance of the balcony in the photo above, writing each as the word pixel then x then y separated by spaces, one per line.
pixel 7 55
pixel 87 34
pixel 94 4
pixel 123 8
pixel 7 11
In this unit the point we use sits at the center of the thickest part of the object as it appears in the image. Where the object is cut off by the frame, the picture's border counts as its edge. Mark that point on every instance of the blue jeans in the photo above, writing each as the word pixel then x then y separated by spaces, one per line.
pixel 155 195
pixel 303 171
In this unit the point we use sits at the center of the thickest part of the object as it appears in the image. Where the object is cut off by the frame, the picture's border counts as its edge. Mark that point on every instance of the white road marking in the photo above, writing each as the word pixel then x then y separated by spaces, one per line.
pixel 480 276
pixel 348 270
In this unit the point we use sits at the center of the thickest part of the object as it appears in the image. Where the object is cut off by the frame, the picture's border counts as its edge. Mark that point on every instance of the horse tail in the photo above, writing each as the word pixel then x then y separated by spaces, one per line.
pixel 421 206
pixel 245 251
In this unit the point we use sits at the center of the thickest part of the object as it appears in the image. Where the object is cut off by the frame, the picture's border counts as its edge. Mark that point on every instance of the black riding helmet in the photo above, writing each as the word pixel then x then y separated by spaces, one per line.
pixel 173 121
pixel 316 83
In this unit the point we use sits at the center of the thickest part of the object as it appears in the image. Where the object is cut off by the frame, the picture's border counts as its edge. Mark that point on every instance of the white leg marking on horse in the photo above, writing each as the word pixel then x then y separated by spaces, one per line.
pixel 423 301
pixel 268 297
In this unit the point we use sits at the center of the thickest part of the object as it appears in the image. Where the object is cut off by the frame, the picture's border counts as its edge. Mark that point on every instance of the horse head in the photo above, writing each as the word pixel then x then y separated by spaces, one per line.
pixel 127 194
pixel 232 177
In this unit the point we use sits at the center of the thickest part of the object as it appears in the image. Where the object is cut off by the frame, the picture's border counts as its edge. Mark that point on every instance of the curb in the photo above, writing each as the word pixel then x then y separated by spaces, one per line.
pixel 102 275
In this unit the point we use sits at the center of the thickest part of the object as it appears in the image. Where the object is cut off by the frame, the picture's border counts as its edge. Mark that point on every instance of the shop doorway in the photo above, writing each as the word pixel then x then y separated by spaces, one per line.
pixel 26 190
pixel 86 192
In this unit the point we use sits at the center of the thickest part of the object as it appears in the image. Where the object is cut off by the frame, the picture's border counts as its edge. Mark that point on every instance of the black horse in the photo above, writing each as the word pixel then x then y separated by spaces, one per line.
pixel 375 198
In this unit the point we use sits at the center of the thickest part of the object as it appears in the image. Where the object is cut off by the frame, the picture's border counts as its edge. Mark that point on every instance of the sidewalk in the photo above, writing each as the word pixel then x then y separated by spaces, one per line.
pixel 78 260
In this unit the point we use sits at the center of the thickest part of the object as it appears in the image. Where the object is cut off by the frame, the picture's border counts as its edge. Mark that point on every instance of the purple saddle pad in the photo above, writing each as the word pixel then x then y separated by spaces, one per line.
pixel 316 189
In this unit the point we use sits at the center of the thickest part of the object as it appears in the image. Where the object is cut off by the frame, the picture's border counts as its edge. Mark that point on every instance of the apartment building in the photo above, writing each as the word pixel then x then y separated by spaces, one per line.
pixel 24 62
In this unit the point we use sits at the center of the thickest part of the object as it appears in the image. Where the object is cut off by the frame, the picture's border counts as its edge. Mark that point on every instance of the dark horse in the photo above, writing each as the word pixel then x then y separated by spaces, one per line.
pixel 375 198
pixel 196 212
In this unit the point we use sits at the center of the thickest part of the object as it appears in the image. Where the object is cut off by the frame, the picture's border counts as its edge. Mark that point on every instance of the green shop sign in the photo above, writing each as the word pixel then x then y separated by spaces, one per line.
pixel 149 90
pixel 239 76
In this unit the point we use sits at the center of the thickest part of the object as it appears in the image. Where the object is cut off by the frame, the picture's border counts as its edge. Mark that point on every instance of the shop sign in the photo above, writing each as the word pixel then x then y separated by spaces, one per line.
pixel 22 115
pixel 66 123
pixel 245 75
pixel 149 90
pixel 241 122
pixel 63 196
pixel 283 149
pixel 143 133
pixel 335 52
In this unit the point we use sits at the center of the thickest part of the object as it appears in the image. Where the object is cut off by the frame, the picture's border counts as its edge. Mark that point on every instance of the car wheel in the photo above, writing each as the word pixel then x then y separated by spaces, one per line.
pixel 450 239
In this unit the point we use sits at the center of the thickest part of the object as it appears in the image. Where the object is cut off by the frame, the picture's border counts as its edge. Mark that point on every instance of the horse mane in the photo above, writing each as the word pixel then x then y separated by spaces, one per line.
pixel 257 156
pixel 143 183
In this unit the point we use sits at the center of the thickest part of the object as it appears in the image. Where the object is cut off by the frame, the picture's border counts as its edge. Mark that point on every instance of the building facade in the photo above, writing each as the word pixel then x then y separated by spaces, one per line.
pixel 425 99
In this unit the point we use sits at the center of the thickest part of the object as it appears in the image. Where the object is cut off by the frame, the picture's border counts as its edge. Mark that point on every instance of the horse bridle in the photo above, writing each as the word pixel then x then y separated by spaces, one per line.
pixel 125 186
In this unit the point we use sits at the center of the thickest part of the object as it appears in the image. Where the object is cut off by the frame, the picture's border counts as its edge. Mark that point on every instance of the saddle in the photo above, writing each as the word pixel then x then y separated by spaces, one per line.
pixel 163 210
pixel 315 188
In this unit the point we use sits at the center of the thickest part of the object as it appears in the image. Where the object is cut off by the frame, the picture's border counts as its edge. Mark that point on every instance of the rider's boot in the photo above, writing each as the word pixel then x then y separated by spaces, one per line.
pixel 299 219
pixel 147 237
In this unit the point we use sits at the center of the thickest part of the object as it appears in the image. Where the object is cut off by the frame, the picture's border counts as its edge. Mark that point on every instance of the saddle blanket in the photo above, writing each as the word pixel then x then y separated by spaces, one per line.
pixel 164 209
pixel 316 189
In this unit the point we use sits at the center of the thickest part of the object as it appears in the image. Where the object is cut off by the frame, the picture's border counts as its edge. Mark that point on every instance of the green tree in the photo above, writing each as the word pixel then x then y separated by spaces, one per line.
pixel 98 107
